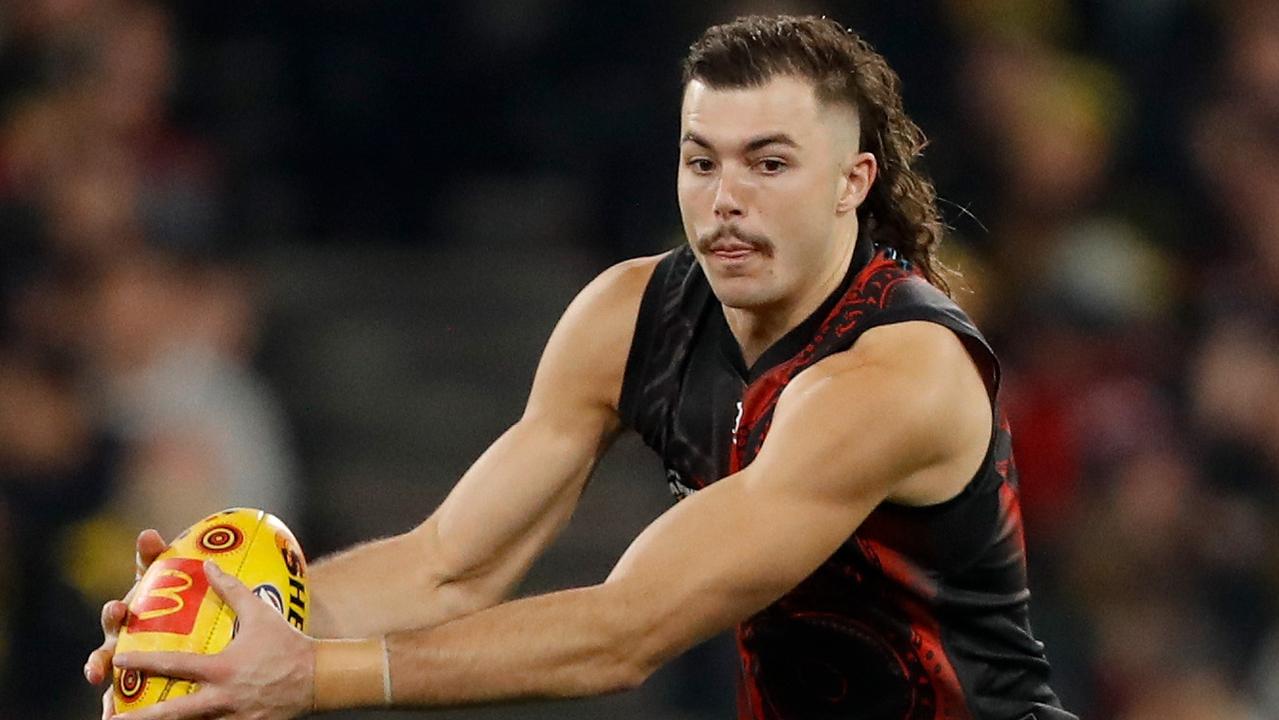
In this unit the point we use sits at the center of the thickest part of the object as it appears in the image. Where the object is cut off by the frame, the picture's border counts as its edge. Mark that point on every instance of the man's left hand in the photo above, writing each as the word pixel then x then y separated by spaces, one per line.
pixel 265 673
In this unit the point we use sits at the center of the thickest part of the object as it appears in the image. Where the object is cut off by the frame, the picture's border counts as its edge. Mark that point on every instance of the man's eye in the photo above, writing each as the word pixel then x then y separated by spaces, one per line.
pixel 701 165
pixel 772 166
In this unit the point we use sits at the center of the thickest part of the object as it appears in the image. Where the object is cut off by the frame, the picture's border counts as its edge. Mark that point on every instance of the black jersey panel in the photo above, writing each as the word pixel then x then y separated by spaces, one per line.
pixel 673 307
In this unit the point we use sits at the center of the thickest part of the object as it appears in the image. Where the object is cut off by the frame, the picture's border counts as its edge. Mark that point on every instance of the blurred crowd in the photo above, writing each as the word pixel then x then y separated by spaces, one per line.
pixel 1127 270
pixel 1111 175
pixel 126 394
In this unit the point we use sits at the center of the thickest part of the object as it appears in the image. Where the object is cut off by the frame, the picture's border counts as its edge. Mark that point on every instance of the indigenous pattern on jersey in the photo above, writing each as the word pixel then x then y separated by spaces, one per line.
pixel 922 613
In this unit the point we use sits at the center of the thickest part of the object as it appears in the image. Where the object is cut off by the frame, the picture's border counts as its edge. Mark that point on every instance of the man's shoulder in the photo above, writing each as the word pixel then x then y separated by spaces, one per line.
pixel 672 273
pixel 585 359
pixel 616 294
pixel 908 347
pixel 927 365
pixel 602 316
pixel 628 277
pixel 913 344
pixel 918 382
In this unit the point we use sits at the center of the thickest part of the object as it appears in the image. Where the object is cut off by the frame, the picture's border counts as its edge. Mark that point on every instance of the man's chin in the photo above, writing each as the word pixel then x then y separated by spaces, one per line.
pixel 740 293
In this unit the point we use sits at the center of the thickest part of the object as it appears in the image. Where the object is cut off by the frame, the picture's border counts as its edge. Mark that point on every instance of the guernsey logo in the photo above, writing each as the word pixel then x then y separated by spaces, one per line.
pixel 676 483
pixel 169 601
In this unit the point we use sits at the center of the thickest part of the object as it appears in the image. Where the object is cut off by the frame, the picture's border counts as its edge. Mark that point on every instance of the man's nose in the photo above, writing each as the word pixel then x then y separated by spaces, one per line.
pixel 728 195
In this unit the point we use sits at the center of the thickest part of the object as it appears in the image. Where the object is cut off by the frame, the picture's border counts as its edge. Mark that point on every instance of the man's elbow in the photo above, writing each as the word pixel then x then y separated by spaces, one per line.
pixel 640 642
pixel 627 669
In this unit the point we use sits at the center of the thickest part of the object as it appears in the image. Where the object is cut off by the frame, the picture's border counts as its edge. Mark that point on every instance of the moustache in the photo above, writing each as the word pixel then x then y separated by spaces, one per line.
pixel 759 243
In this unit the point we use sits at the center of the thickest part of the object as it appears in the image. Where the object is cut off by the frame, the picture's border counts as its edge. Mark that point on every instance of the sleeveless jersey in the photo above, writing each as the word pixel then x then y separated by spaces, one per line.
pixel 922 613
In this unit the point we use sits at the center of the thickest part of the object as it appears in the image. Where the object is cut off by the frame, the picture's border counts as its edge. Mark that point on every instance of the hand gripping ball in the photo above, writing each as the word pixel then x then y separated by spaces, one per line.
pixel 175 610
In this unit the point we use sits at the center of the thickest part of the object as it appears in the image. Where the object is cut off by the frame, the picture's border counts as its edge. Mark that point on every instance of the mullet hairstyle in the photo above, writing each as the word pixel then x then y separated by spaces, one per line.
pixel 901 209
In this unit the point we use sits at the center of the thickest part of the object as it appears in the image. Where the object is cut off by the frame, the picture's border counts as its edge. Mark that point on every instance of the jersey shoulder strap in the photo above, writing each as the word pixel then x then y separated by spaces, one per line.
pixel 887 291
pixel 672 309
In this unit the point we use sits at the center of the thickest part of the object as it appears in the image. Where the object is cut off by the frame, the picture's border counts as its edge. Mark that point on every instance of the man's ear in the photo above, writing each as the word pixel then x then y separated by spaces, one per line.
pixel 858 174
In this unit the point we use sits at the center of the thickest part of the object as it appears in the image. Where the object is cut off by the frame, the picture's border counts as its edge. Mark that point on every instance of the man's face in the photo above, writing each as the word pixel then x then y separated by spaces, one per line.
pixel 769 183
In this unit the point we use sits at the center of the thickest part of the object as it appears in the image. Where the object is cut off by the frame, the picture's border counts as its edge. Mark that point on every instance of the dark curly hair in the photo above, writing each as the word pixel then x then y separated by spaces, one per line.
pixel 901 208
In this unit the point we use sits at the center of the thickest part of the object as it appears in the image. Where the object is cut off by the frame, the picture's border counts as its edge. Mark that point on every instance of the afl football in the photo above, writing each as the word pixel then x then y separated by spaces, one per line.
pixel 175 610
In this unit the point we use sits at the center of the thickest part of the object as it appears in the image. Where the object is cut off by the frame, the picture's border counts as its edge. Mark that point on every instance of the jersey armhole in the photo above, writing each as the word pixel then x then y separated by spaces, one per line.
pixel 633 378
pixel 983 356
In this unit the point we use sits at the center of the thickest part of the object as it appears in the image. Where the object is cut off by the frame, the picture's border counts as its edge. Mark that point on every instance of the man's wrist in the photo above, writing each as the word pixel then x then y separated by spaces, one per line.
pixel 351 674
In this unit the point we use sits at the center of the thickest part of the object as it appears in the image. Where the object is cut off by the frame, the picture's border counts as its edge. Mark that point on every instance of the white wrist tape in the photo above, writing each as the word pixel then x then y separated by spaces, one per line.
pixel 386 673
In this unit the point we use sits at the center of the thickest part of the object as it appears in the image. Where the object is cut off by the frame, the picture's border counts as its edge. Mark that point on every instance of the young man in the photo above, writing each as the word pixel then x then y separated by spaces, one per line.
pixel 827 415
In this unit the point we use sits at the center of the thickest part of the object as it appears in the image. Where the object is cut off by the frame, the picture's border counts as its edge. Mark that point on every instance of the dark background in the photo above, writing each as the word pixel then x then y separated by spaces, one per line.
pixel 303 256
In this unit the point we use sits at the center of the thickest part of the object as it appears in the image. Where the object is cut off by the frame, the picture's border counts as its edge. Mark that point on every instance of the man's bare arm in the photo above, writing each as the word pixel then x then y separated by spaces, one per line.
pixel 514 499
pixel 918 418
pixel 904 415
pixel 503 512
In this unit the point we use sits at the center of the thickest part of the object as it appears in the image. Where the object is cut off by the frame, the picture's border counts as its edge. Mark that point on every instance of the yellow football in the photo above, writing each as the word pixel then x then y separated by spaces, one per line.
pixel 174 609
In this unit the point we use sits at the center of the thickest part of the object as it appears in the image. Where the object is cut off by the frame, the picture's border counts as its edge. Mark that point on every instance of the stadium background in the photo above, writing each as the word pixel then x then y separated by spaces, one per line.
pixel 303 256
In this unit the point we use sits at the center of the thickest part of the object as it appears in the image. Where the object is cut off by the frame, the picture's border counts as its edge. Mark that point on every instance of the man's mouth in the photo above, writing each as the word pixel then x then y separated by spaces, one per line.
pixel 731 248
pixel 731 244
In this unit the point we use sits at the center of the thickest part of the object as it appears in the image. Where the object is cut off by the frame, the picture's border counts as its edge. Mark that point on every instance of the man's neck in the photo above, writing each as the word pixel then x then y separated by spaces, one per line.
pixel 757 329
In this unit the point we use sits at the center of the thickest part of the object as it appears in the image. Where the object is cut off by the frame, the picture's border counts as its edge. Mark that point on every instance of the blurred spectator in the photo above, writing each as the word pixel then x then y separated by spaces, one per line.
pixel 1141 522
pixel 127 397
pixel 167 347
pixel 55 470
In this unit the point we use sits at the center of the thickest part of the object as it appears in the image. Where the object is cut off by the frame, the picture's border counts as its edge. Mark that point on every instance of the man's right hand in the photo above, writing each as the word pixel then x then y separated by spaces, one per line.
pixel 98 667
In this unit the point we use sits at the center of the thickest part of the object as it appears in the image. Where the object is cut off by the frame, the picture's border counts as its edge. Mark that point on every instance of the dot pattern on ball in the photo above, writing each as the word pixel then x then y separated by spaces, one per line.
pixel 221 538
pixel 130 684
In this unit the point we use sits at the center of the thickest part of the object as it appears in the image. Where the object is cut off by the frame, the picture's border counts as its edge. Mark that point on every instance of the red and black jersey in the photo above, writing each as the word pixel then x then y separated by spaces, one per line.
pixel 922 613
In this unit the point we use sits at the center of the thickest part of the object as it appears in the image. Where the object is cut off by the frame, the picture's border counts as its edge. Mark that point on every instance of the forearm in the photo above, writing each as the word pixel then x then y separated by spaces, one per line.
pixel 567 644
pixel 516 497
pixel 385 585
pixel 473 549
pixel 758 542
